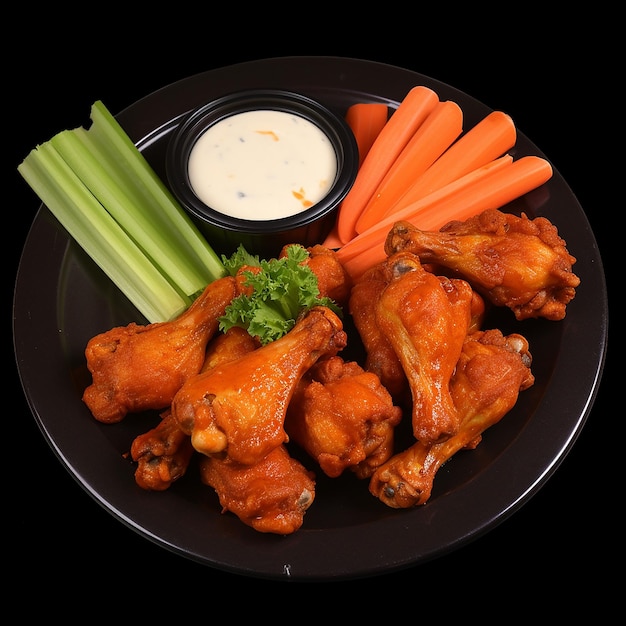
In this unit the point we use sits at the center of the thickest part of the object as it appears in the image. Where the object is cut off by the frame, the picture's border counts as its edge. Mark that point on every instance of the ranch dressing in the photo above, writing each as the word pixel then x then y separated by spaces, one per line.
pixel 260 165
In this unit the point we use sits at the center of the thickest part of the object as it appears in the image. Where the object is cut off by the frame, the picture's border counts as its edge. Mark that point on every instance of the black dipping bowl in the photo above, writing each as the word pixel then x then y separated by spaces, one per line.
pixel 262 237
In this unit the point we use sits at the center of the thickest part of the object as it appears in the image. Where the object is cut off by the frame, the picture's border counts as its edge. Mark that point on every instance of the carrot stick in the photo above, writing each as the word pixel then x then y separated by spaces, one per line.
pixel 439 130
pixel 378 232
pixel 366 119
pixel 400 127
pixel 332 239
pixel 489 187
pixel 487 140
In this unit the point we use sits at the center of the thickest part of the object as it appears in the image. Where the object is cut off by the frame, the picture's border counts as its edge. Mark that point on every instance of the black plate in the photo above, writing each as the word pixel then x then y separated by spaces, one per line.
pixel 60 304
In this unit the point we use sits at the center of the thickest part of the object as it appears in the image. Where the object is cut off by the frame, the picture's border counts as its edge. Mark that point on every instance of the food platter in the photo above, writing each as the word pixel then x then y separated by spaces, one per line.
pixel 60 304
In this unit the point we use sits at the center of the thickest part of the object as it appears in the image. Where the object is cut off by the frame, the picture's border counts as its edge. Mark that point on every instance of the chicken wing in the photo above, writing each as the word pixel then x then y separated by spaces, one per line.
pixel 137 368
pixel 490 373
pixel 513 261
pixel 271 495
pixel 239 407
pixel 380 357
pixel 229 346
pixel 425 318
pixel 164 452
pixel 343 417
pixel 333 280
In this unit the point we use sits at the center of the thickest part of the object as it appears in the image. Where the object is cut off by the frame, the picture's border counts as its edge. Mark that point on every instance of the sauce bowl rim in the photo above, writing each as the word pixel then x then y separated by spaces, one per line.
pixel 198 120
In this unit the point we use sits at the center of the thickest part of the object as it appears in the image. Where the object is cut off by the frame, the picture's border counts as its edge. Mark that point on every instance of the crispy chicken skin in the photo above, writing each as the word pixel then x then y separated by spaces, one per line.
pixel 137 368
pixel 164 452
pixel 239 407
pixel 343 417
pixel 271 495
pixel 425 318
pixel 491 371
pixel 513 261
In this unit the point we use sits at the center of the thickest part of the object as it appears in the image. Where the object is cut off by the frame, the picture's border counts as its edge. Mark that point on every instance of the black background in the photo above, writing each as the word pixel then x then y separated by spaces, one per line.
pixel 544 74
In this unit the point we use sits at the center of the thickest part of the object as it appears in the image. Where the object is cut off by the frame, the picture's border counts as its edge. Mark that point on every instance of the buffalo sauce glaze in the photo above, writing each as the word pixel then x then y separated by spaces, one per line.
pixel 261 165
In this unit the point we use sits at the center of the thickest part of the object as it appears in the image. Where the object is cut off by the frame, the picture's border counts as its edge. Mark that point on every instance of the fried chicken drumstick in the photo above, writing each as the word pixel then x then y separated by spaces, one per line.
pixel 381 358
pixel 138 368
pixel 163 453
pixel 239 407
pixel 425 318
pixel 271 495
pixel 490 373
pixel 513 261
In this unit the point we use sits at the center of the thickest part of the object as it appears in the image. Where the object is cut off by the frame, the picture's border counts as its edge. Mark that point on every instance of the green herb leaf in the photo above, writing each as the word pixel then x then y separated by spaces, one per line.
pixel 240 258
pixel 281 290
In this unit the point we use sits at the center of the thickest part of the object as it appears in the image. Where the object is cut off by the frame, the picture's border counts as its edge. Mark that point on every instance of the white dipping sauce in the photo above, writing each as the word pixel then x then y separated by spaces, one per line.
pixel 263 164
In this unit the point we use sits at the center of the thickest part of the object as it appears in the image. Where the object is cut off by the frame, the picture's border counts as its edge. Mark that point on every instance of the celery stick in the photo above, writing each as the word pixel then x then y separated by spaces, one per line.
pixel 96 232
pixel 108 133
pixel 110 200
pixel 99 176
